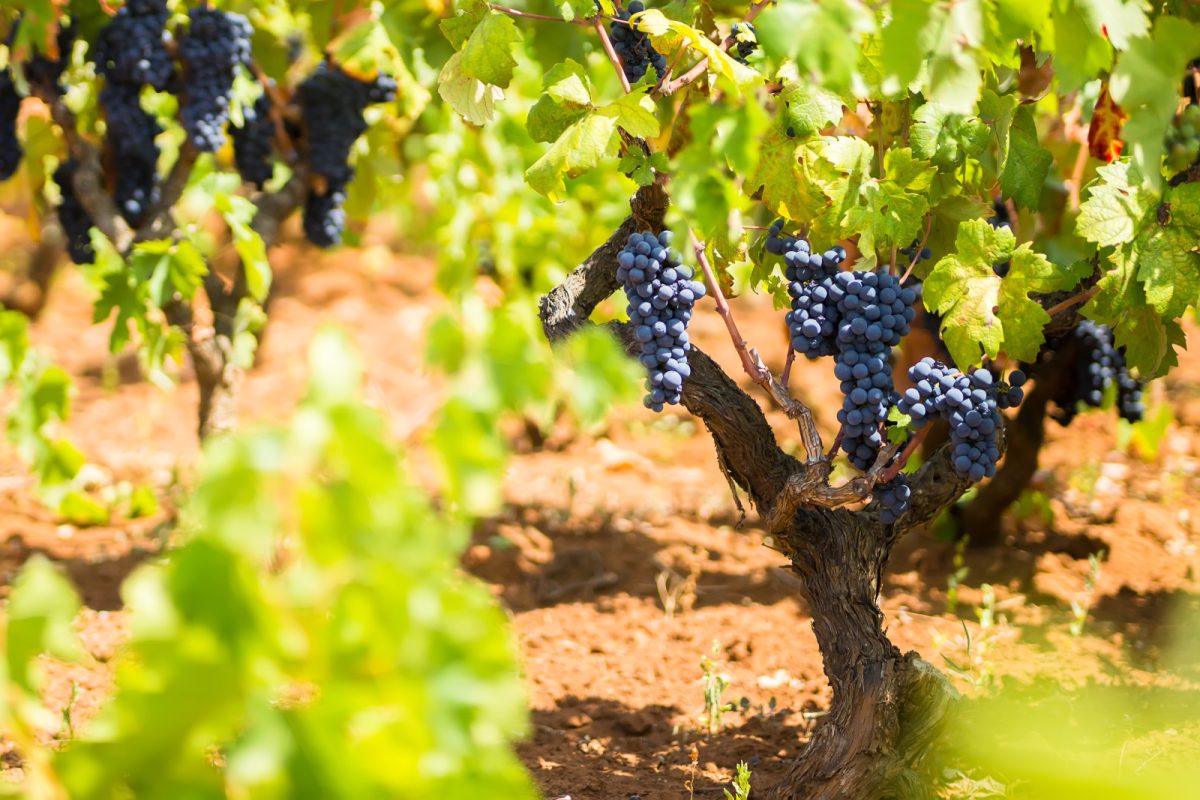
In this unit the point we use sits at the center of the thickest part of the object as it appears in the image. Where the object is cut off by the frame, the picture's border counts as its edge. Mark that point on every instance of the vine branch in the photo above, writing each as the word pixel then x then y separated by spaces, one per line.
pixel 612 54
pixel 753 364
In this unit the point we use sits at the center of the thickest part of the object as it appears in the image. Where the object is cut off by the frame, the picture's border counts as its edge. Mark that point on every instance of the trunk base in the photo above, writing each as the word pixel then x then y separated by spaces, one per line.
pixel 871 744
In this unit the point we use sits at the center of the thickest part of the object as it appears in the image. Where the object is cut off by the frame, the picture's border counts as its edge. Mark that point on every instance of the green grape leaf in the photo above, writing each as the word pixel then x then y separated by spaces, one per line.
pixel 1122 20
pixel 908 32
pixel 807 108
pixel 458 29
pixel 473 99
pixel 946 138
pixel 1169 268
pixel 1024 319
pixel 488 54
pixel 1145 84
pixel 251 249
pixel 996 111
pixel 983 314
pixel 363 49
pixel 567 98
pixel 584 144
pixel 1080 51
pixel 1149 340
pixel 1116 206
pixel 952 64
pixel 781 178
pixel 1027 163
pixel 888 215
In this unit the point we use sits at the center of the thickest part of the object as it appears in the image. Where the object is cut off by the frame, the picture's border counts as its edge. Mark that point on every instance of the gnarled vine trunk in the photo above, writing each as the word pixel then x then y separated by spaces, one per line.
pixel 887 706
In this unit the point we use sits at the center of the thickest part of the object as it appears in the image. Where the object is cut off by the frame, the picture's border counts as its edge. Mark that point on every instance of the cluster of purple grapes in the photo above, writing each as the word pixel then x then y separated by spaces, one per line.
pixel 1098 365
pixel 813 320
pixel 10 106
pixel 969 403
pixel 913 256
pixel 252 142
pixel 215 45
pixel 131 52
pixel 661 293
pixel 893 497
pixel 132 47
pixel 876 313
pixel 746 38
pixel 857 317
pixel 332 103
pixel 74 219
pixel 130 135
pixel 633 46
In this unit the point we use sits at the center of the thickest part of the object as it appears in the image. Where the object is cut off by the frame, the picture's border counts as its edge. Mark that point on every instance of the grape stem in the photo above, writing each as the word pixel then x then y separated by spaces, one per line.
pixel 787 365
pixel 894 470
pixel 512 12
pixel 612 54
pixel 920 249
pixel 753 364
pixel 1073 301
pixel 837 442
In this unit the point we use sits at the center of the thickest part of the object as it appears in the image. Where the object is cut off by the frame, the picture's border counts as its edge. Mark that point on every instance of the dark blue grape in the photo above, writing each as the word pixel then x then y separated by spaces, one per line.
pixel 1099 364
pixel 324 218
pixel 43 72
pixel 661 293
pixel 746 37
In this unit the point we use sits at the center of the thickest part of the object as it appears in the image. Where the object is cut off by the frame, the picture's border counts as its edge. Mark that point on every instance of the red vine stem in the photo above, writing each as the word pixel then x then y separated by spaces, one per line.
pixel 837 442
pixel 612 54
pixel 787 365
pixel 1082 297
pixel 718 296
pixel 512 12
pixel 897 465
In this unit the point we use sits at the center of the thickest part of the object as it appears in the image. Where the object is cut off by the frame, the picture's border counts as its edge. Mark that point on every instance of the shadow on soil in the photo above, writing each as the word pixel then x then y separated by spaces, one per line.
pixel 576 750
pixel 542 557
